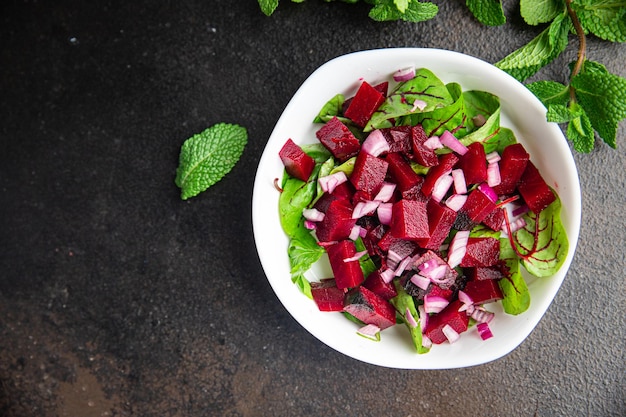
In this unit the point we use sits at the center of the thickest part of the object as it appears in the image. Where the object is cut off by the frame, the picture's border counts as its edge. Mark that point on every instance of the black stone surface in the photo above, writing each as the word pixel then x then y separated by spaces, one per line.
pixel 119 299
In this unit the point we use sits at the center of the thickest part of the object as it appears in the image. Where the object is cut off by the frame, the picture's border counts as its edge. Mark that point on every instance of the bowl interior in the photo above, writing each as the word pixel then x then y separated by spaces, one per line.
pixel 520 111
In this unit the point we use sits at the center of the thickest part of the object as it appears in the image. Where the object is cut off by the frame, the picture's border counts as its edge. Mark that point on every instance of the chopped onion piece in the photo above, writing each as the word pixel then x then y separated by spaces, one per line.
pixel 402 266
pixel 434 303
pixel 464 298
pixel 409 318
pixel 364 208
pixel 481 315
pixel 488 191
pixel 355 232
pixel 386 192
pixel 493 157
pixel 356 256
pixel 484 331
pixel 493 174
pixel 384 212
pixel 450 333
pixel 310 225
pixel 387 275
pixel 460 187
pixel 433 143
pixel 404 74
pixel 330 182
pixel 421 281
pixel 437 273
pixel 313 214
pixel 423 318
pixel 458 246
pixel 427 266
pixel 375 143
pixel 456 201
pixel 523 209
pixel 370 331
pixel 426 342
pixel 453 143
pixel 418 104
pixel 442 185
pixel 393 258
pixel 514 226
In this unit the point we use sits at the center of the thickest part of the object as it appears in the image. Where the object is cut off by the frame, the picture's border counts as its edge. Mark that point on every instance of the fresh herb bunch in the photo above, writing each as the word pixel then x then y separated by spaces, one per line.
pixel 592 101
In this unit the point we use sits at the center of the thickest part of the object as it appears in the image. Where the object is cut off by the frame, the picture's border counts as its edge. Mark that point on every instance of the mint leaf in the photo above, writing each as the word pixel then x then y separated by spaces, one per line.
pixel 488 12
pixel 416 11
pixel 603 97
pixel 207 156
pixel 535 12
pixel 268 6
pixel 527 60
pixel 550 92
pixel 558 113
pixel 604 18
pixel 579 129
pixel 401 5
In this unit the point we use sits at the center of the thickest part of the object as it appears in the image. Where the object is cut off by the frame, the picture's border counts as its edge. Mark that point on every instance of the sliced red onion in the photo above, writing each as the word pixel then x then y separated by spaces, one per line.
pixel 484 331
pixel 493 157
pixel 404 74
pixel 434 303
pixel 370 331
pixel 418 105
pixel 386 192
pixel 423 317
pixel 464 298
pixel 493 174
pixel 450 333
pixel 393 258
pixel 436 274
pixel 420 281
pixel 458 246
pixel 433 143
pixel 402 266
pixel 355 232
pixel 384 212
pixel 330 182
pixel 448 139
pixel 375 144
pixel 310 225
pixel 481 315
pixel 456 201
pixel 426 342
pixel 488 191
pixel 442 185
pixel 313 214
pixel 514 226
pixel 523 209
pixel 427 266
pixel 387 275
pixel 364 208
pixel 409 318
pixel 460 187
pixel 356 256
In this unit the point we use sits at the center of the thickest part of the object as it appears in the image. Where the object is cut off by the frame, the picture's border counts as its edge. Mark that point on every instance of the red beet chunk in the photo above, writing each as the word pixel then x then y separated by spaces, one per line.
pixel 483 273
pixel 372 237
pixel 338 139
pixel 474 164
pixel 347 274
pixel 327 296
pixel 387 240
pixel 481 251
pixel 446 163
pixel 402 174
pixel 483 291
pixel 409 220
pixel 364 104
pixel 477 206
pixel 437 291
pixel 495 219
pixel 440 218
pixel 297 163
pixel 512 165
pixel 422 154
pixel 451 315
pixel 368 174
pixel 534 190
pixel 337 223
pixel 398 138
pixel 381 88
pixel 375 283
pixel 370 308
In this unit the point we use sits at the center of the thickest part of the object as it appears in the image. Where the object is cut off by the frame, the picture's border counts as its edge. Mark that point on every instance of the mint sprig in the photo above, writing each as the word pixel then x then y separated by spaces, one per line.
pixel 207 157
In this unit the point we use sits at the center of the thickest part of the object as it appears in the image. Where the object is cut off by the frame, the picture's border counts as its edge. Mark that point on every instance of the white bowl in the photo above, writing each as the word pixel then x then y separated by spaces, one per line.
pixel 521 112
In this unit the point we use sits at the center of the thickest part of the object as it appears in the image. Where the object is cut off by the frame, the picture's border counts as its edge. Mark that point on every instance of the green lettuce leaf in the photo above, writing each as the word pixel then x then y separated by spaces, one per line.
pixel 401 303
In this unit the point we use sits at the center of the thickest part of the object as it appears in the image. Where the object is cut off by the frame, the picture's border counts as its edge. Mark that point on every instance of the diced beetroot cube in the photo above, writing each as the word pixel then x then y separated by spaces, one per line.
pixel 474 164
pixel 297 163
pixel 446 163
pixel 368 174
pixel 338 139
pixel 370 308
pixel 387 240
pixel 372 237
pixel 451 315
pixel 375 283
pixel 402 248
pixel 481 251
pixel 483 291
pixel 398 138
pixel 482 273
pixel 477 206
pixel 365 102
pixel 534 190
pixel 347 274
pixel 409 220
pixel 422 154
pixel 337 223
pixel 327 296
pixel 440 218
pixel 437 291
pixel 382 88
pixel 495 219
pixel 512 165
pixel 401 172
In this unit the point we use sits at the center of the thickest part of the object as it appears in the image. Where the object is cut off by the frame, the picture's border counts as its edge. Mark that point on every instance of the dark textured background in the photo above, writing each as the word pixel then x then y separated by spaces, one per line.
pixel 119 299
